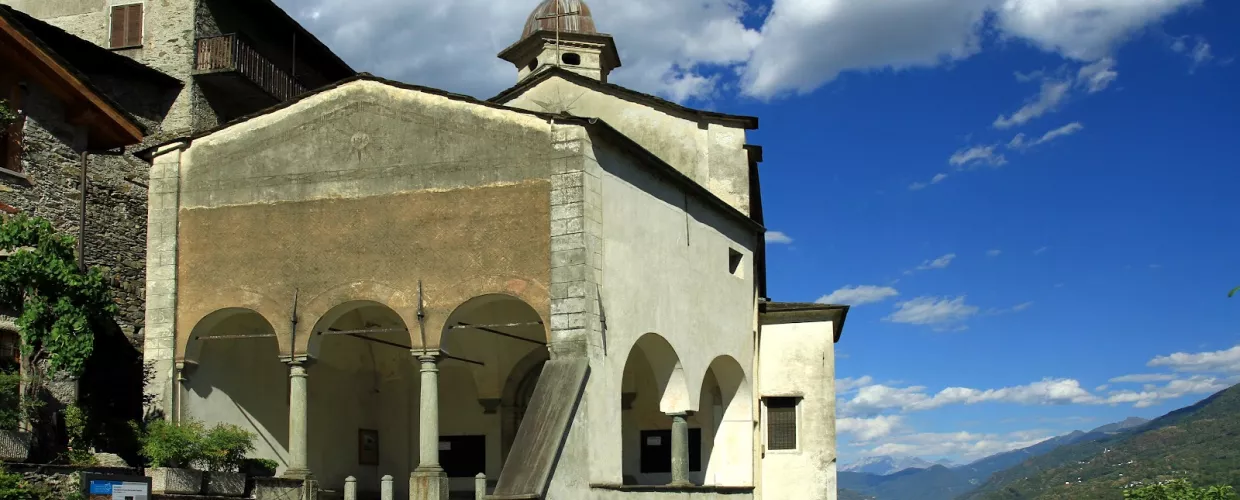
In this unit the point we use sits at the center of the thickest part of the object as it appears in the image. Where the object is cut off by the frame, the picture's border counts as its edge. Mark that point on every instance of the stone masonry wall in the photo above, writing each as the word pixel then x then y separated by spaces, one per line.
pixel 49 187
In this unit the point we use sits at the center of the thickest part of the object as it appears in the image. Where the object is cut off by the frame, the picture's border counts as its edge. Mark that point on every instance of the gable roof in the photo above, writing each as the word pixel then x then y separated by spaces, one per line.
pixel 594 124
pixel 111 125
pixel 746 122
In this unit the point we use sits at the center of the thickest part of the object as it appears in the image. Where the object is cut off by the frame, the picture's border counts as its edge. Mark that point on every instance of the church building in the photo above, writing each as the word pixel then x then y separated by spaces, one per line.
pixel 562 288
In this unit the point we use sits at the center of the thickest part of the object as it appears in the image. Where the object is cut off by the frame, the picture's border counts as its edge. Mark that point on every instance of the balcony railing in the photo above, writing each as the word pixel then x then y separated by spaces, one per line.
pixel 231 53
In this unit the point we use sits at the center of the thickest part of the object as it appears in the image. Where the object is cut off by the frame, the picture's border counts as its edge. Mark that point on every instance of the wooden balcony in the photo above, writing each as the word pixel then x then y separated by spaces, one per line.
pixel 231 54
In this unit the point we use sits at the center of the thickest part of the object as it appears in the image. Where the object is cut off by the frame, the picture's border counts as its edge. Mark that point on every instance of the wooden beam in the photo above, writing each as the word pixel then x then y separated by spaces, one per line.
pixel 56 75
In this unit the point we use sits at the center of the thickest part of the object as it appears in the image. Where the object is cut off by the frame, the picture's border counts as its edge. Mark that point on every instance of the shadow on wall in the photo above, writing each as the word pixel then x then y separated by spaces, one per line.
pixel 111 393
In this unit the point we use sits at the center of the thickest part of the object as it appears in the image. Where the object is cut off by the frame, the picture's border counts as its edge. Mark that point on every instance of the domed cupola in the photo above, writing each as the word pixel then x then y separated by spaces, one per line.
pixel 562 33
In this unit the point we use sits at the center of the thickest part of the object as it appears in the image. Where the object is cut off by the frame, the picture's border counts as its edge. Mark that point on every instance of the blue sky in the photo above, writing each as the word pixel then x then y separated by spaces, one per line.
pixel 998 282
pixel 1116 242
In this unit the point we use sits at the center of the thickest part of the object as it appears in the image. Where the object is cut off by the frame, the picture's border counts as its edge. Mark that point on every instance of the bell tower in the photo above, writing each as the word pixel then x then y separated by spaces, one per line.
pixel 561 33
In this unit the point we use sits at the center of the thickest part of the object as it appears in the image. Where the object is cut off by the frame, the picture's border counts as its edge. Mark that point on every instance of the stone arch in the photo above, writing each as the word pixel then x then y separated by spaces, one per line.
pixel 669 375
pixel 368 313
pixel 207 325
pixel 727 410
pixel 327 307
pixel 236 300
pixel 240 381
pixel 442 303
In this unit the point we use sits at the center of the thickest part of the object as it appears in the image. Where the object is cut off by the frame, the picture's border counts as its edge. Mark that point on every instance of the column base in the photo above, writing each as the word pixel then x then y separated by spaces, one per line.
pixel 680 484
pixel 428 484
pixel 302 474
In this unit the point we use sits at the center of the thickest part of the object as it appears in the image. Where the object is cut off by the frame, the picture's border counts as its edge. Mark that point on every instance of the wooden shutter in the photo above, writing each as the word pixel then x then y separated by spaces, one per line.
pixel 133 20
pixel 126 26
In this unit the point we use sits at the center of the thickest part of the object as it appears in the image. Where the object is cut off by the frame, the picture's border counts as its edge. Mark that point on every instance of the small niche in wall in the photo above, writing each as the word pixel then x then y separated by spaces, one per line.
pixel 735 259
pixel 571 58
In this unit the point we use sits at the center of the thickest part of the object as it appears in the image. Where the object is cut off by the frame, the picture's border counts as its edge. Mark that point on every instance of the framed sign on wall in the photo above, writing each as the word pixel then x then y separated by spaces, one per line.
pixel 367 447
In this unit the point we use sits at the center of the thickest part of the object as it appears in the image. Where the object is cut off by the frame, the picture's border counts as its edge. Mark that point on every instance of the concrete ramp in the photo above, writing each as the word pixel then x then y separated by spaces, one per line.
pixel 543 430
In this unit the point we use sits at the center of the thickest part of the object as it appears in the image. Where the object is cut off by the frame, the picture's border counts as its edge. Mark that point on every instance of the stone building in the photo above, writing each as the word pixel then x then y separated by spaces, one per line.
pixel 562 288
pixel 175 67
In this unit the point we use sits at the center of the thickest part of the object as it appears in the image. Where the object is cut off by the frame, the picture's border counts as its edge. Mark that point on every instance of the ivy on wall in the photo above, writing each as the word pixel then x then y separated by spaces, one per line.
pixel 60 305
pixel 7 115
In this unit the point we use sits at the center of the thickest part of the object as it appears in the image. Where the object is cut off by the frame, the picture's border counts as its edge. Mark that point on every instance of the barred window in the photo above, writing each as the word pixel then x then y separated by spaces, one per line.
pixel 781 423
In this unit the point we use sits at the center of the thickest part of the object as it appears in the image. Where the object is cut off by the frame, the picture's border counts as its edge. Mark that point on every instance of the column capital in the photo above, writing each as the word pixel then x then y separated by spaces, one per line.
pixel 427 355
pixel 298 360
pixel 681 414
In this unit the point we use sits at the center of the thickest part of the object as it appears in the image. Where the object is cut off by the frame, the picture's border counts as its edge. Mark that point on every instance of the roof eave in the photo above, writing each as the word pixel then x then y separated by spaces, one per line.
pixel 782 313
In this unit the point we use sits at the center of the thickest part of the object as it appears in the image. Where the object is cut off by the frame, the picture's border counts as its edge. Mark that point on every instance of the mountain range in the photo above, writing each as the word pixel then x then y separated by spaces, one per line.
pixel 888 478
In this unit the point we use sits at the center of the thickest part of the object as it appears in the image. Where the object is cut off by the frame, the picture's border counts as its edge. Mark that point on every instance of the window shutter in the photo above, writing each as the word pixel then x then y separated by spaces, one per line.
pixel 133 23
pixel 118 26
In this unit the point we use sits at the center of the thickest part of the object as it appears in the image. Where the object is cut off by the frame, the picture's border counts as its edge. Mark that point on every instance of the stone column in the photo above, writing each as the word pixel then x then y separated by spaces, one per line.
pixel 428 481
pixel 298 449
pixel 680 449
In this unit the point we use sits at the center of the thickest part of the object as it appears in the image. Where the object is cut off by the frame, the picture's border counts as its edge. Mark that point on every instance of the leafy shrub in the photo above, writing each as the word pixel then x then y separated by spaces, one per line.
pixel 176 446
pixel 79 452
pixel 1179 489
pixel 259 467
pixel 224 447
pixel 14 487
pixel 10 400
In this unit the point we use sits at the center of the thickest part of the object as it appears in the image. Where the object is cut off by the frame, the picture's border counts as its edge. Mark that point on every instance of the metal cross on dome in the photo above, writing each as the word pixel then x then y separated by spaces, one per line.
pixel 557 16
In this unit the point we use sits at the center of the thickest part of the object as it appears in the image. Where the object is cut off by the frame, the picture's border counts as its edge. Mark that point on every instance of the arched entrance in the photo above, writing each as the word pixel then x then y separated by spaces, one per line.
pixel 233 374
pixel 493 347
pixel 654 388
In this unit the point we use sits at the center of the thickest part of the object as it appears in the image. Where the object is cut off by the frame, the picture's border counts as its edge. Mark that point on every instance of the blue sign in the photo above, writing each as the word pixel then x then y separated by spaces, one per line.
pixel 102 487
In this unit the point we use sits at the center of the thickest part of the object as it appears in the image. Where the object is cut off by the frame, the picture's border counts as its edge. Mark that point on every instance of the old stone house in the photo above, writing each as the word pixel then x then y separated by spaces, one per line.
pixel 562 288
pixel 175 67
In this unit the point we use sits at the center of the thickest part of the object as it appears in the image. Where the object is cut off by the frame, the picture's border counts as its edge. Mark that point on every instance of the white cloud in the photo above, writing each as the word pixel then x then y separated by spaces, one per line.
pixel 1053 94
pixel 859 295
pixel 868 429
pixel 917 186
pixel 683 49
pixel 1227 360
pixel 939 263
pixel 1200 53
pixel 849 384
pixel 1041 250
pixel 1085 30
pixel 1098 75
pixel 1142 378
pixel 994 253
pixel 1016 308
pixel 1151 394
pixel 777 237
pixel 932 311
pixel 965 445
pixel 977 155
pixel 1019 142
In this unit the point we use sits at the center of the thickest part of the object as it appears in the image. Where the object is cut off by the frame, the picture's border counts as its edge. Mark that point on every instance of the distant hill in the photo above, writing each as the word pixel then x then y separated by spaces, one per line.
pixel 1128 423
pixel 1200 443
pixel 940 482
pixel 884 465
pixel 852 495
pixel 934 483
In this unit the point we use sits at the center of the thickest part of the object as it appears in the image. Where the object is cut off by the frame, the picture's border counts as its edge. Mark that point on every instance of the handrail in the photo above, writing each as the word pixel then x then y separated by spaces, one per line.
pixel 231 53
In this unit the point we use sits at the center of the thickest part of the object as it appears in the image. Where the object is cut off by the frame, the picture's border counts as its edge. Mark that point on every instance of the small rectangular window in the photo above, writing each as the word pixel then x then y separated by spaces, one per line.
pixel 781 423
pixel 735 259
pixel 126 26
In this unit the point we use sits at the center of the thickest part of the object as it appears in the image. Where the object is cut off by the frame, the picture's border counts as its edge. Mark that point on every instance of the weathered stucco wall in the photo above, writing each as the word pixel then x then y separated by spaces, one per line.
pixel 664 269
pixel 365 184
pixel 711 154
pixel 798 359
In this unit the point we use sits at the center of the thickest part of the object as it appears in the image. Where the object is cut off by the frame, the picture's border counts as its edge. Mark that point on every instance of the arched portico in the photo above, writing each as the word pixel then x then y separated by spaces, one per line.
pixel 656 415
pixel 726 417
pixel 231 373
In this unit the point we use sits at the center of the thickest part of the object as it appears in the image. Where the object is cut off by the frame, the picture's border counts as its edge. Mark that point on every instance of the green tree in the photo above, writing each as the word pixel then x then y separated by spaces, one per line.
pixel 1180 489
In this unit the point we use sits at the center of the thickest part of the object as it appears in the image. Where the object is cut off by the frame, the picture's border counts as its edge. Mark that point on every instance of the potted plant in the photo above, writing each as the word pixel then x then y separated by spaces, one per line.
pixel 14 442
pixel 223 450
pixel 171 449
